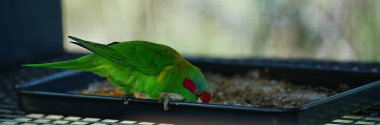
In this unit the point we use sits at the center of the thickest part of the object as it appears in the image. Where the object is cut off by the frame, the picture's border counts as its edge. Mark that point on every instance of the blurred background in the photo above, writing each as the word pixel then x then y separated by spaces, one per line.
pixel 344 30
pixel 35 31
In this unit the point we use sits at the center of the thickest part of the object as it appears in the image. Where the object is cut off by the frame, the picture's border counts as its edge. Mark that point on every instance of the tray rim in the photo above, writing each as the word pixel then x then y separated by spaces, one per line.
pixel 24 89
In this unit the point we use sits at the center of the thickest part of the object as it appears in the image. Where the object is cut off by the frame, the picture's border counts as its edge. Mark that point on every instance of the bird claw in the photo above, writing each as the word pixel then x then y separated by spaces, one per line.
pixel 165 100
pixel 166 103
pixel 125 98
pixel 125 102
pixel 166 97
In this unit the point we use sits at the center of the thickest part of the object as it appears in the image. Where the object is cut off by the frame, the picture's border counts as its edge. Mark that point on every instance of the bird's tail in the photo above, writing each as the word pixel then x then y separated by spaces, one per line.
pixel 70 64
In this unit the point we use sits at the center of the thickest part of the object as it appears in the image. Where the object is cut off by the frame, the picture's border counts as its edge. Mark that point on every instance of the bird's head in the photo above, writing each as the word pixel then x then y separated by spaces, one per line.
pixel 197 85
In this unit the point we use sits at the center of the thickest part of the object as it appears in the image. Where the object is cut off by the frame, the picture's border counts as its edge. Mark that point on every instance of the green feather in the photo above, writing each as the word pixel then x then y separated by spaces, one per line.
pixel 146 57
pixel 136 66
pixel 100 49
pixel 82 63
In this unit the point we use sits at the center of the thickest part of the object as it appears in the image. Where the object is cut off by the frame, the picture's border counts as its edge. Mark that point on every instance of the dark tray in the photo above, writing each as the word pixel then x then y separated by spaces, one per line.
pixel 53 94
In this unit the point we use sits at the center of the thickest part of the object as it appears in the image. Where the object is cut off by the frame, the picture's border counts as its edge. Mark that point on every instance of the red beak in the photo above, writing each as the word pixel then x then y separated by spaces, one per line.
pixel 205 97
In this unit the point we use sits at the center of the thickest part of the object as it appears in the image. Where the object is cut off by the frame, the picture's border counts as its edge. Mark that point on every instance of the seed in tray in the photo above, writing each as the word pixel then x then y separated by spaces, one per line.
pixel 252 89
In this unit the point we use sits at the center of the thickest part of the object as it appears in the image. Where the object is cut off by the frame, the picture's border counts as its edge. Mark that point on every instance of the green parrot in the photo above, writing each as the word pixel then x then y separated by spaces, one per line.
pixel 140 66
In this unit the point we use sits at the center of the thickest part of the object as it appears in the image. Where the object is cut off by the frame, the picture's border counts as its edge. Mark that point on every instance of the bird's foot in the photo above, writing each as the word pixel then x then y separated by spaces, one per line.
pixel 126 97
pixel 166 97
pixel 166 103
pixel 165 100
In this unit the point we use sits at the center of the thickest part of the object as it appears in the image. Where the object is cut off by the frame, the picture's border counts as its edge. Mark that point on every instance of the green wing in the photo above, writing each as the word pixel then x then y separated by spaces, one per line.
pixel 100 49
pixel 146 57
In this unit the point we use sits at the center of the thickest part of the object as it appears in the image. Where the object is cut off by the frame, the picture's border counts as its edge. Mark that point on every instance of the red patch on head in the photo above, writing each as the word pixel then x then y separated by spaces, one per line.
pixel 205 97
pixel 188 84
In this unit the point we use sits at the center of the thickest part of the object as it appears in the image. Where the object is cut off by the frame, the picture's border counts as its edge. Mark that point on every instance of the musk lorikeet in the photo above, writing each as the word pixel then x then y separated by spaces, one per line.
pixel 140 66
